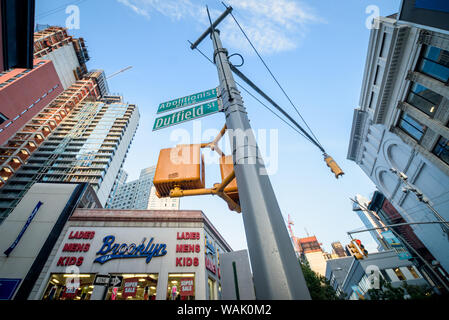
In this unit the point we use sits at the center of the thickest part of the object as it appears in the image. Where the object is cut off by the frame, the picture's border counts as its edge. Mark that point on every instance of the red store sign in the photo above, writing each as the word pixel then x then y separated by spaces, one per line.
pixel 75 247
pixel 183 261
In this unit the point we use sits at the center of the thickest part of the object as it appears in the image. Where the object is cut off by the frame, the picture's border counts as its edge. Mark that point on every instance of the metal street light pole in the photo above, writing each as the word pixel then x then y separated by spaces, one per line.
pixel 277 272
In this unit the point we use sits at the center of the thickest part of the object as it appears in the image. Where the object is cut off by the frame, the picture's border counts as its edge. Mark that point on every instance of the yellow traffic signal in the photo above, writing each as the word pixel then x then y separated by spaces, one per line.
pixel 355 250
pixel 226 168
pixel 333 165
pixel 361 247
pixel 182 166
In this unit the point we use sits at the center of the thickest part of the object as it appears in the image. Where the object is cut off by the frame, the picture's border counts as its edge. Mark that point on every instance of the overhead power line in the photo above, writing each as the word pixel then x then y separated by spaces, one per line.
pixel 58 9
pixel 274 78
pixel 258 100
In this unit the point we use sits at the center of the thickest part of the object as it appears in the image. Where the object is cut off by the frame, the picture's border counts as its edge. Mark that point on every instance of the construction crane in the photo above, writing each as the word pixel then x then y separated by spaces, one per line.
pixel 118 72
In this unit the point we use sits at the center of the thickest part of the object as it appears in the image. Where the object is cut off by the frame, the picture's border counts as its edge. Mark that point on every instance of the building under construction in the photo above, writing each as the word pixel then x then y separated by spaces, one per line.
pixel 80 137
pixel 69 55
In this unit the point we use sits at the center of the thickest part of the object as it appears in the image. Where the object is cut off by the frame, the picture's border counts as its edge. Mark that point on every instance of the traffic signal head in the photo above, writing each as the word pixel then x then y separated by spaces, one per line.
pixel 361 247
pixel 182 166
pixel 226 168
pixel 353 248
pixel 333 165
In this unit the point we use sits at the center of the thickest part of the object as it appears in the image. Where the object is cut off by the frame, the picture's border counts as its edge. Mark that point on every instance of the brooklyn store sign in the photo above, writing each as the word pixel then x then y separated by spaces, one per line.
pixel 111 250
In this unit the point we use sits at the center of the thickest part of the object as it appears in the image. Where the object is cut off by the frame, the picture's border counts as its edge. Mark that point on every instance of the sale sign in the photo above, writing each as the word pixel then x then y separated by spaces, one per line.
pixel 187 287
pixel 130 287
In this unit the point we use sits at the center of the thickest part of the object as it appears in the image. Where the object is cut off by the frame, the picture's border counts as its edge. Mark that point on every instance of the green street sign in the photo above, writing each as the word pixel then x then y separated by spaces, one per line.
pixel 186 115
pixel 188 101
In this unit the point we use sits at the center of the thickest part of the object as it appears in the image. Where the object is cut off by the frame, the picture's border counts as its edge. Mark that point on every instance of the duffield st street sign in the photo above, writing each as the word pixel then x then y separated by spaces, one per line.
pixel 186 115
pixel 188 100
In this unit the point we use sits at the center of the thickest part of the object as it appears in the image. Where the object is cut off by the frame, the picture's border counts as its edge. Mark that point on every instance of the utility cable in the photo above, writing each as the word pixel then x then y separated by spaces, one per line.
pixel 206 57
pixel 57 9
pixel 272 75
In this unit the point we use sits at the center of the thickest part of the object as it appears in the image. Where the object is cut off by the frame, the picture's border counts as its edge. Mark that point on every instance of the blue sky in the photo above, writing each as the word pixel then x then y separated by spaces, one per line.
pixel 316 49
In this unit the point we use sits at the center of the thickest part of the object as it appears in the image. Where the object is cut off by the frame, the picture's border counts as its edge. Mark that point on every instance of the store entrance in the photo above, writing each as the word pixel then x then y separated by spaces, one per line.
pixel 80 287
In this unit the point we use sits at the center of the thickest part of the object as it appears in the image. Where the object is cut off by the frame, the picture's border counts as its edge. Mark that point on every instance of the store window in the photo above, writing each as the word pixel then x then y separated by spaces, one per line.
pixel 424 99
pixel 441 149
pixel 135 287
pixel 399 274
pixel 181 286
pixel 211 289
pixel 69 287
pixel 412 127
pixel 435 63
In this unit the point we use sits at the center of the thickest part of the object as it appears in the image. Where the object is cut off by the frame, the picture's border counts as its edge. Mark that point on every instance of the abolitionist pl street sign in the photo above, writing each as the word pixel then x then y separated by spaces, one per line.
pixel 186 115
pixel 188 100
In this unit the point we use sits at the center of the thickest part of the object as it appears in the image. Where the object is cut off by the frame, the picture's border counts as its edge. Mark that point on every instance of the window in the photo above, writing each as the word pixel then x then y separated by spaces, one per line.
pixel 65 287
pixel 382 46
pixel 413 272
pixel 370 105
pixel 134 287
pixel 376 75
pixel 181 286
pixel 441 149
pixel 412 127
pixel 435 63
pixel 211 288
pixel 2 118
pixel 424 99
pixel 399 274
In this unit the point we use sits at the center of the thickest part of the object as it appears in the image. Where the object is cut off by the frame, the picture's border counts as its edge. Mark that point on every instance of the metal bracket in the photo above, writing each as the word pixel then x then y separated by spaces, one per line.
pixel 218 188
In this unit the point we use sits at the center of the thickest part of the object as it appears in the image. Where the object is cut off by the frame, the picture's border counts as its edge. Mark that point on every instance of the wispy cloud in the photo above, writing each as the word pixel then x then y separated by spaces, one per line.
pixel 272 25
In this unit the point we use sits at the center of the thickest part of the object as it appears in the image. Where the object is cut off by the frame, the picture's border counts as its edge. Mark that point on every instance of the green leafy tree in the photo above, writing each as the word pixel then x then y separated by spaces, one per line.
pixel 319 286
pixel 405 291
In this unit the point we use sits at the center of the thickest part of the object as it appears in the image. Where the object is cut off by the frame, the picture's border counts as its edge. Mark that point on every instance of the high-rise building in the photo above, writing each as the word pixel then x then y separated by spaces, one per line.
pixel 88 145
pixel 140 194
pixel 119 181
pixel 338 250
pixel 370 220
pixel 69 55
pixel 402 120
pixel 24 93
pixel 391 216
pixel 311 251
pixel 17 150
pixel 59 61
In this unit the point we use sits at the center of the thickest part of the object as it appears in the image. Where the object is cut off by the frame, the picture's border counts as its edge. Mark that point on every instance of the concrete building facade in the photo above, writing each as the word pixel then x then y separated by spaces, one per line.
pixel 236 270
pixel 29 234
pixel 402 123
pixel 24 93
pixel 69 55
pixel 361 275
pixel 185 264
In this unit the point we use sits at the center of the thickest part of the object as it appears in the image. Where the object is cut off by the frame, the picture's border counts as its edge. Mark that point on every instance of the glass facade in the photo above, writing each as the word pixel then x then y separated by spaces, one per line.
pixel 424 99
pixel 81 286
pixel 412 127
pixel 69 287
pixel 441 149
pixel 435 63
pixel 134 287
